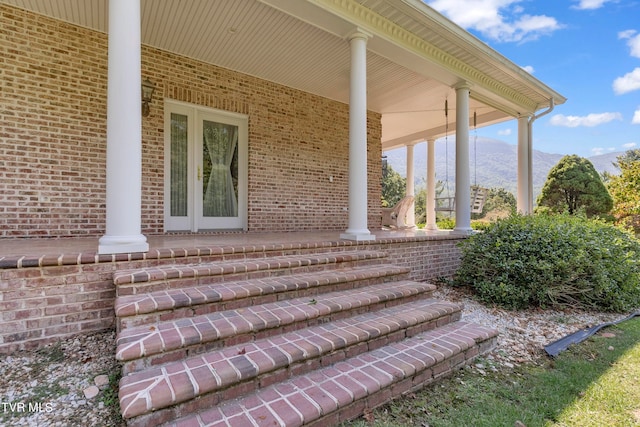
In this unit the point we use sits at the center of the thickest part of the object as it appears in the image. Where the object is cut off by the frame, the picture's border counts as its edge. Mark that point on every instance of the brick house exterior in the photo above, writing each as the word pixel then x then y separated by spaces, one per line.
pixel 323 86
pixel 53 132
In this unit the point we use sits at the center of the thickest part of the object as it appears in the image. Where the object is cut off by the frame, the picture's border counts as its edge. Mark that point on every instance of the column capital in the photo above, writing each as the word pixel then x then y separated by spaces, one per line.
pixel 359 33
pixel 462 85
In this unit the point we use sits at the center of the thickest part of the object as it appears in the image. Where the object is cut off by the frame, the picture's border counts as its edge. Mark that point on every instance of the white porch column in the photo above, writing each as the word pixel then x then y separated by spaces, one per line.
pixel 431 184
pixel 524 197
pixel 463 179
pixel 530 162
pixel 358 140
pixel 410 191
pixel 124 132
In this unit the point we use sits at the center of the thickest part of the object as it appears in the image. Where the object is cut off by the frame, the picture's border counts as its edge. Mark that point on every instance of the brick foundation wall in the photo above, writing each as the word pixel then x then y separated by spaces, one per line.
pixel 428 260
pixel 53 136
pixel 53 297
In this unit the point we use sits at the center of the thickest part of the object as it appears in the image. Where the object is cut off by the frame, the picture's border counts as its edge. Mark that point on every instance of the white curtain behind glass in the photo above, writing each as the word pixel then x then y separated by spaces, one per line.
pixel 219 196
pixel 179 163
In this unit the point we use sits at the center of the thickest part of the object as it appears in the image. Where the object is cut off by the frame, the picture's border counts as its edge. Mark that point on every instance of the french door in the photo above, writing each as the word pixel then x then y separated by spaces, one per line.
pixel 205 168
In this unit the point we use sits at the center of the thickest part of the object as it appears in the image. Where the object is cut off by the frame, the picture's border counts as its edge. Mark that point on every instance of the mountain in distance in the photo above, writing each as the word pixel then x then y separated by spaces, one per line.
pixel 492 163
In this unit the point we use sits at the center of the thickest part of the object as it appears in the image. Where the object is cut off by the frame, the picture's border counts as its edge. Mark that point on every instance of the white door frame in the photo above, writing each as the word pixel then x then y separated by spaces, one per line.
pixel 194 221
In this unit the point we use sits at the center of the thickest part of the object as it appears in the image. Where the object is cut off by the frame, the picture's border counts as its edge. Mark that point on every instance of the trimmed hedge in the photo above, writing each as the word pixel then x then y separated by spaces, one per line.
pixel 560 260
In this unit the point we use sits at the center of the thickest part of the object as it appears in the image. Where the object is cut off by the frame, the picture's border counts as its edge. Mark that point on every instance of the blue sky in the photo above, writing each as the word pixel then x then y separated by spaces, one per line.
pixel 587 50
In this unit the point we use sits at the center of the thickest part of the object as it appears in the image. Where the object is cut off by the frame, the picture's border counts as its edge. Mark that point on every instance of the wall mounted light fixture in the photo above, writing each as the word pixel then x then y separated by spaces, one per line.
pixel 147 94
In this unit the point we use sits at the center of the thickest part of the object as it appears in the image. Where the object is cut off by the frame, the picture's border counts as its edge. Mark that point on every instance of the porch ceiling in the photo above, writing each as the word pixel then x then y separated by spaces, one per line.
pixel 414 57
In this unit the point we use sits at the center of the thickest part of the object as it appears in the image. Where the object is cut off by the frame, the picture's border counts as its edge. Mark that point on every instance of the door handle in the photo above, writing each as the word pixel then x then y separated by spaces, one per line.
pixel 199 173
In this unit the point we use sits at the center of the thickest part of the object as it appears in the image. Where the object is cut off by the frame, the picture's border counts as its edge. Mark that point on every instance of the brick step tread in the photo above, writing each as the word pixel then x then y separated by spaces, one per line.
pixel 177 271
pixel 148 390
pixel 141 341
pixel 381 374
pixel 131 305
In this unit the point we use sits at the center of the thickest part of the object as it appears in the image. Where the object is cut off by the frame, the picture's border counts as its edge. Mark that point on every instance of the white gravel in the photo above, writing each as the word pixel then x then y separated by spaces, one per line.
pixel 48 387
pixel 63 384
pixel 524 333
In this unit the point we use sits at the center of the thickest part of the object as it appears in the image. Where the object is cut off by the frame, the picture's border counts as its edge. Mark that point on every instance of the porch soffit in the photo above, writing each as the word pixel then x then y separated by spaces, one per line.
pixel 415 55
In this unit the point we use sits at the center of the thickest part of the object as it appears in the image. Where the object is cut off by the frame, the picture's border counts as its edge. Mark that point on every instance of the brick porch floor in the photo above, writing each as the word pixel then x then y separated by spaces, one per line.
pixel 35 247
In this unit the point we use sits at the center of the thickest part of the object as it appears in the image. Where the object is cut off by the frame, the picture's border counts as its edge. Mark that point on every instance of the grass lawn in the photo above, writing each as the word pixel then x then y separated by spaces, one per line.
pixel 595 383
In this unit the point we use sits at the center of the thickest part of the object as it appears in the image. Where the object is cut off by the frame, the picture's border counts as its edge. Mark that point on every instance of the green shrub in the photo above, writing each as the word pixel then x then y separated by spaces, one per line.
pixel 480 225
pixel 450 224
pixel 446 223
pixel 552 260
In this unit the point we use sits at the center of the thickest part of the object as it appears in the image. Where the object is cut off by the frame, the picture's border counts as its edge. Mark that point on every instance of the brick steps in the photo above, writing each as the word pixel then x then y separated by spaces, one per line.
pixel 140 345
pixel 153 307
pixel 131 282
pixel 260 363
pixel 333 394
pixel 292 340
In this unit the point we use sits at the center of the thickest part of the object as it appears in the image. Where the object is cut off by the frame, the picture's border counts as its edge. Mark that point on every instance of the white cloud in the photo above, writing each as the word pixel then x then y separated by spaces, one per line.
pixel 500 20
pixel 529 69
pixel 590 120
pixel 599 150
pixel 504 132
pixel 636 117
pixel 633 41
pixel 590 4
pixel 627 83
pixel 626 34
pixel 629 145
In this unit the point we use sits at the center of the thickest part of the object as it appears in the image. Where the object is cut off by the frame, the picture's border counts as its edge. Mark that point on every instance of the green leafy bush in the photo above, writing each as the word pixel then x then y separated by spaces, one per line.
pixel 552 260
pixel 450 224
pixel 446 223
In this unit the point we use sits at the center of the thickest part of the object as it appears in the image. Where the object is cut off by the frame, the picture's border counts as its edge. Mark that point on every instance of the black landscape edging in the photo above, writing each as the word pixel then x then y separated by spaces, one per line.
pixel 562 344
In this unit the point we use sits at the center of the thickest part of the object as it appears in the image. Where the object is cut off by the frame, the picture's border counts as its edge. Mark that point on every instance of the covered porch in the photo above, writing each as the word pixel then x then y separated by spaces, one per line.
pixel 391 65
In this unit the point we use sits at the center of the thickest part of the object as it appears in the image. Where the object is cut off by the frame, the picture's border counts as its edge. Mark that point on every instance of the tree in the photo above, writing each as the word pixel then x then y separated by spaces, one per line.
pixel 574 185
pixel 631 156
pixel 394 186
pixel 625 190
pixel 499 199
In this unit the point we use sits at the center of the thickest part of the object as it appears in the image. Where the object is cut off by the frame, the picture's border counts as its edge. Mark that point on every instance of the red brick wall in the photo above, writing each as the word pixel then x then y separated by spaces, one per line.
pixel 53 142
pixel 52 127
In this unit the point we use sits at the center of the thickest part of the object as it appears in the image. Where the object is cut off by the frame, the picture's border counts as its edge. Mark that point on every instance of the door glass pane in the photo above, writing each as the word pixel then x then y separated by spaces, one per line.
pixel 220 170
pixel 179 163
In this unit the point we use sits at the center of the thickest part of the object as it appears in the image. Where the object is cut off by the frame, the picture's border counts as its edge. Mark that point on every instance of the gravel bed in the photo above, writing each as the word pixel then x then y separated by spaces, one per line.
pixel 524 333
pixel 64 384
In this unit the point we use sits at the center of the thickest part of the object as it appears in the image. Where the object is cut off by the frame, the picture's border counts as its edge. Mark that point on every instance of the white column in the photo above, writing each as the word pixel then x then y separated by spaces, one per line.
pixel 124 132
pixel 431 184
pixel 530 166
pixel 463 179
pixel 523 196
pixel 410 191
pixel 358 140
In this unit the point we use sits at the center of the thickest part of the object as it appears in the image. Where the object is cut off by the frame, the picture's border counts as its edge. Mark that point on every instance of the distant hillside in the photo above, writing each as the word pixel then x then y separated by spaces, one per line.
pixel 604 162
pixel 492 162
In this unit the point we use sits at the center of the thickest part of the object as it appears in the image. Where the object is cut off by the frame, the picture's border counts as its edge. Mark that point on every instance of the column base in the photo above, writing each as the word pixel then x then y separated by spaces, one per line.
pixel 122 244
pixel 464 231
pixel 358 236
